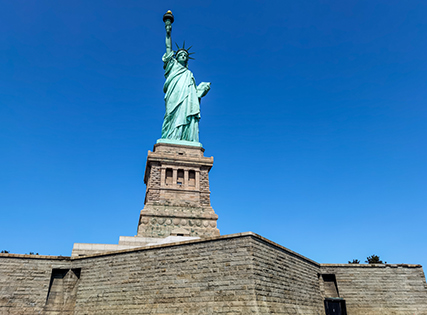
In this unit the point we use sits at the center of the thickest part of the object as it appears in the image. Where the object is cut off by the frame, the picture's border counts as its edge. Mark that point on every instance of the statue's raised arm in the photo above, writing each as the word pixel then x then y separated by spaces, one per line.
pixel 168 19
pixel 182 96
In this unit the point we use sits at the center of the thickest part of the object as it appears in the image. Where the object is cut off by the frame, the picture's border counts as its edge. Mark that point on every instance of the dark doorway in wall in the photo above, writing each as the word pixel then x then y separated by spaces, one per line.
pixel 330 286
pixel 62 293
pixel 335 306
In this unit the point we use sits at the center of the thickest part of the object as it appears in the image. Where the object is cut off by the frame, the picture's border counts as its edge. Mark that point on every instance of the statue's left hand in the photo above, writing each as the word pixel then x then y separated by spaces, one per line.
pixel 203 89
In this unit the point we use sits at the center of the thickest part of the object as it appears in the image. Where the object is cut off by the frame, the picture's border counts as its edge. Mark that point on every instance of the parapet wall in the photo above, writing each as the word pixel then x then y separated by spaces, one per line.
pixel 285 282
pixel 194 277
pixel 25 280
pixel 381 288
pixel 233 274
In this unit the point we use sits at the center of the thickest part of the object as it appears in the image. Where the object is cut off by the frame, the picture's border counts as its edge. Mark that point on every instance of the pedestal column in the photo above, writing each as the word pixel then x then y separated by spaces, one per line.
pixel 176 207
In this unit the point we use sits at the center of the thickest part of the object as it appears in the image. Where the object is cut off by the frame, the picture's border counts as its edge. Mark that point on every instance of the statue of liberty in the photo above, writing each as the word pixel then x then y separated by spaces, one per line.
pixel 182 96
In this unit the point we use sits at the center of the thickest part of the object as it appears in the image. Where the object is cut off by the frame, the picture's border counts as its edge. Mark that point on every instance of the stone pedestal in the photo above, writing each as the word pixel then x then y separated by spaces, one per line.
pixel 177 200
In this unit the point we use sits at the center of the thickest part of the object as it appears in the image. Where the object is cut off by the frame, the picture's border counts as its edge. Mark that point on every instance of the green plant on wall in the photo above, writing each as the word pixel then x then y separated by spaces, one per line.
pixel 374 259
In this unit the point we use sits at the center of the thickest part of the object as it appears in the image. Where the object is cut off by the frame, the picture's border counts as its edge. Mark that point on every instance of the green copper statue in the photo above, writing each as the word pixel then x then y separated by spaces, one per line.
pixel 182 96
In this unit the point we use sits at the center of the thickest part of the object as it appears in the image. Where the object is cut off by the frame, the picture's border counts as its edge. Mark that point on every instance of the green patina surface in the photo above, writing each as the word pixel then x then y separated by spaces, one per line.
pixel 180 142
pixel 182 96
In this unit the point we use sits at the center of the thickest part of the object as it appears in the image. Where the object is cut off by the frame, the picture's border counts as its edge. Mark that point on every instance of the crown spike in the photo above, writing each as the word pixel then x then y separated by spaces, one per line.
pixel 186 50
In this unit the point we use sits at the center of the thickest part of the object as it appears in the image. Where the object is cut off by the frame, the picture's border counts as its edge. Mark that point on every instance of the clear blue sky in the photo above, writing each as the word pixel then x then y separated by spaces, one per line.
pixel 316 119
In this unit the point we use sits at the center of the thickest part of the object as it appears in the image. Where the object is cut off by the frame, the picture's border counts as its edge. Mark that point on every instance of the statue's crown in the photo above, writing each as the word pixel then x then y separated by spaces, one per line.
pixel 184 49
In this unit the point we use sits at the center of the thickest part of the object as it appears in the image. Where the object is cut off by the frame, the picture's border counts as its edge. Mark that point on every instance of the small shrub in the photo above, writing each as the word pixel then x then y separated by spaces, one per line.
pixel 374 259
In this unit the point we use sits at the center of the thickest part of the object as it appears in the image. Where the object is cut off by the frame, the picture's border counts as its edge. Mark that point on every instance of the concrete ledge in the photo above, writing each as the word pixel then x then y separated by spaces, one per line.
pixel 114 249
pixel 371 265
pixel 204 240
pixel 102 247
pixel 180 143
pixel 128 240
pixel 26 256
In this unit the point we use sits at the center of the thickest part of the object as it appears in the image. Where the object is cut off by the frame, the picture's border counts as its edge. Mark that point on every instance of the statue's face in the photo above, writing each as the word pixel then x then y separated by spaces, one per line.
pixel 182 58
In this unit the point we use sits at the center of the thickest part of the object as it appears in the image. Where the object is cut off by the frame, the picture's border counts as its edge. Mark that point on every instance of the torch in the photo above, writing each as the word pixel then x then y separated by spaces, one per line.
pixel 168 16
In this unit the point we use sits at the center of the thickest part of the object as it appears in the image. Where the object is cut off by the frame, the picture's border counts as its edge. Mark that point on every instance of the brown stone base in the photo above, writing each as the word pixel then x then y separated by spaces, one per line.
pixel 177 200
pixel 162 221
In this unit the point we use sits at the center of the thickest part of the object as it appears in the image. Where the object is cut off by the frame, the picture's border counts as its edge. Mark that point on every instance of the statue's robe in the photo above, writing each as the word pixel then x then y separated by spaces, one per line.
pixel 181 121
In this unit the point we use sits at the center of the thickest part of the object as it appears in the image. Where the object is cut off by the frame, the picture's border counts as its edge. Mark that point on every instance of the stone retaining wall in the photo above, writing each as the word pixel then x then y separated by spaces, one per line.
pixel 212 277
pixel 381 289
pixel 234 274
pixel 285 282
pixel 24 282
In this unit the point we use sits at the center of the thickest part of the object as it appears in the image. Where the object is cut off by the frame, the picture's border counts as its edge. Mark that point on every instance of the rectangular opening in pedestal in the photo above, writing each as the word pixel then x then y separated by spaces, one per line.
pixel 180 177
pixel 191 178
pixel 169 176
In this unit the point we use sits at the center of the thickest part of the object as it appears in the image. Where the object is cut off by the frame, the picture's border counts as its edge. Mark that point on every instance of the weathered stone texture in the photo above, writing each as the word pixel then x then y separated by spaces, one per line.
pixel 24 282
pixel 381 289
pixel 197 278
pixel 204 179
pixel 177 195
pixel 155 176
pixel 285 282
